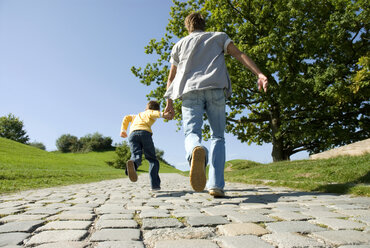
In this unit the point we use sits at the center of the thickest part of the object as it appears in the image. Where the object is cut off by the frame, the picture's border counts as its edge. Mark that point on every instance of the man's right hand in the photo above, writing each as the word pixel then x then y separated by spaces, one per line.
pixel 169 110
pixel 262 82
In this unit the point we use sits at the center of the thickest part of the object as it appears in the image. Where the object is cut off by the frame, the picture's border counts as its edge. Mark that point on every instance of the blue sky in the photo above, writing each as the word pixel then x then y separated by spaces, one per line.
pixel 65 68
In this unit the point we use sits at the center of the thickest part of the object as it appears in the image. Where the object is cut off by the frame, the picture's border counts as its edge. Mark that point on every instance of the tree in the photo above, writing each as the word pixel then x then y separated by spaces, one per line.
pixel 312 50
pixel 38 145
pixel 68 143
pixel 95 142
pixel 12 128
pixel 159 154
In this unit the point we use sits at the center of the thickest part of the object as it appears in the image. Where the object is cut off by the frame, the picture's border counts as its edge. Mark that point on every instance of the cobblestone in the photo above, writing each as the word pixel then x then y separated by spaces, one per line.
pixel 102 224
pixel 8 239
pixel 57 236
pixel 116 235
pixel 119 213
pixel 206 221
pixel 292 240
pixel 343 237
pixel 293 227
pixel 161 223
pixel 20 226
pixel 65 225
pixel 186 243
pixel 242 229
pixel 339 224
pixel 243 241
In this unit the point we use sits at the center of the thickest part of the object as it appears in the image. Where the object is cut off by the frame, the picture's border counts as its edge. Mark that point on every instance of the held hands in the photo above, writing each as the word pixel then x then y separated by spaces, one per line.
pixel 169 111
pixel 123 134
pixel 167 115
pixel 262 82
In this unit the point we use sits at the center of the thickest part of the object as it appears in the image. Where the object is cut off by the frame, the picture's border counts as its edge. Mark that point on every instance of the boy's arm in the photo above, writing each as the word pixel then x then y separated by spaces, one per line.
pixel 126 120
pixel 154 114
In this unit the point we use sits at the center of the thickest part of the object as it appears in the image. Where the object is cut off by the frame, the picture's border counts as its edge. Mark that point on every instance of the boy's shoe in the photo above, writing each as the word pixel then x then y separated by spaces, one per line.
pixel 156 189
pixel 217 193
pixel 198 178
pixel 131 170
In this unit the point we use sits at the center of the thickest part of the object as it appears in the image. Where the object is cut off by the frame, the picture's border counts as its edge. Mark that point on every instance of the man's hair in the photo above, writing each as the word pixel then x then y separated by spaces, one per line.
pixel 195 21
pixel 153 105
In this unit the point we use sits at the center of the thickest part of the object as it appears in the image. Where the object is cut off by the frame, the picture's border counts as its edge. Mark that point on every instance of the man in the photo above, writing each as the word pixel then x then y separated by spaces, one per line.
pixel 199 77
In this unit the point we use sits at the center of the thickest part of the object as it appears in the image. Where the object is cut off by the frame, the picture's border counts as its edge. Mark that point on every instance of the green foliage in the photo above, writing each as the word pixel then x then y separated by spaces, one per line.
pixel 361 80
pixel 123 154
pixel 89 143
pixel 159 153
pixel 315 54
pixel 38 145
pixel 68 143
pixel 95 142
pixel 12 128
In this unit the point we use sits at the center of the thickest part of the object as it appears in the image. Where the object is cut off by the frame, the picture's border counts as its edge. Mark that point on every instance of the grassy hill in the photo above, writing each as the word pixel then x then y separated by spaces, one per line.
pixel 336 175
pixel 25 167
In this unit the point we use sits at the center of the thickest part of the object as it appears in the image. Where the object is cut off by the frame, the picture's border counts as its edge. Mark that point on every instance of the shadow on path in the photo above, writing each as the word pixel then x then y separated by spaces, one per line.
pixel 344 188
pixel 263 198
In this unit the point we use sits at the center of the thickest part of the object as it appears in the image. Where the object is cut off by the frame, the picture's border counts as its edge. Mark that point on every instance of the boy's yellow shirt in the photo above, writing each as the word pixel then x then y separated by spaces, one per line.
pixel 142 121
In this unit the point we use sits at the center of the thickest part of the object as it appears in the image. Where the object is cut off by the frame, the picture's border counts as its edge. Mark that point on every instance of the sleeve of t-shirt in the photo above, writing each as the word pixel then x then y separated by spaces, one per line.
pixel 154 114
pixel 174 60
pixel 227 42
pixel 126 120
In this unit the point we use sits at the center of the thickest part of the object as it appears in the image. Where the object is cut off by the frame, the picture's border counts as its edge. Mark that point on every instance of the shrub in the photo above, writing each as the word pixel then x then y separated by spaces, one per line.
pixel 38 145
pixel 89 143
pixel 95 142
pixel 159 154
pixel 12 128
pixel 123 154
pixel 68 143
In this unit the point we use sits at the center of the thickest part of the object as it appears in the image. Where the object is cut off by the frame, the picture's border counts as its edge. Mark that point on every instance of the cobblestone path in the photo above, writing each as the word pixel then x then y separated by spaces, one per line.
pixel 119 213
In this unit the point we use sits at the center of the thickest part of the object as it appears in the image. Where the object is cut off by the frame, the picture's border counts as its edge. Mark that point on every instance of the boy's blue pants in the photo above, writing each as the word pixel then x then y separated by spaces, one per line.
pixel 141 141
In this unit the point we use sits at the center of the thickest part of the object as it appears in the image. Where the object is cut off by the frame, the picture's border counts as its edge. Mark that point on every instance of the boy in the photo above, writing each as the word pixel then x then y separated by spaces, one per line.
pixel 140 139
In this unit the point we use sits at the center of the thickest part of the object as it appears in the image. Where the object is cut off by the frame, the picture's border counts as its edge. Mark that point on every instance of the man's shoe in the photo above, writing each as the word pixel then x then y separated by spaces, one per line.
pixel 198 178
pixel 131 171
pixel 217 193
pixel 156 189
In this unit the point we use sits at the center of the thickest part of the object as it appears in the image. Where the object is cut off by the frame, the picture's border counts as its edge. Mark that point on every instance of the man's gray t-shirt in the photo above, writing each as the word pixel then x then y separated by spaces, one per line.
pixel 199 58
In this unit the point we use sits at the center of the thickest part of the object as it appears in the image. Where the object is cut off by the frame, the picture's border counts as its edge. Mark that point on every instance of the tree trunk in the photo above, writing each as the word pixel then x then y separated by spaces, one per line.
pixel 278 152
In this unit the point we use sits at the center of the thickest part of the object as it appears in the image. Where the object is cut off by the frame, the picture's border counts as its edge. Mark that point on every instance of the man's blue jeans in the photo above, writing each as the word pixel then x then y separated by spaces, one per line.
pixel 194 105
pixel 140 141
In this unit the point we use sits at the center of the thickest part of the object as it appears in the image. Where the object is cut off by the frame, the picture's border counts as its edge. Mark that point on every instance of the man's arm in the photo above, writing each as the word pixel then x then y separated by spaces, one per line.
pixel 249 63
pixel 169 110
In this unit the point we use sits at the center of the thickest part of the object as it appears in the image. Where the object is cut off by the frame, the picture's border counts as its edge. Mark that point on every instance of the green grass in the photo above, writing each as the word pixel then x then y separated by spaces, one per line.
pixel 24 167
pixel 344 175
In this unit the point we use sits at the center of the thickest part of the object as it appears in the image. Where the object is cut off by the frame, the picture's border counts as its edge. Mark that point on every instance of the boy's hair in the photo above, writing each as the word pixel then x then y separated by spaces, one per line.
pixel 153 105
pixel 195 21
